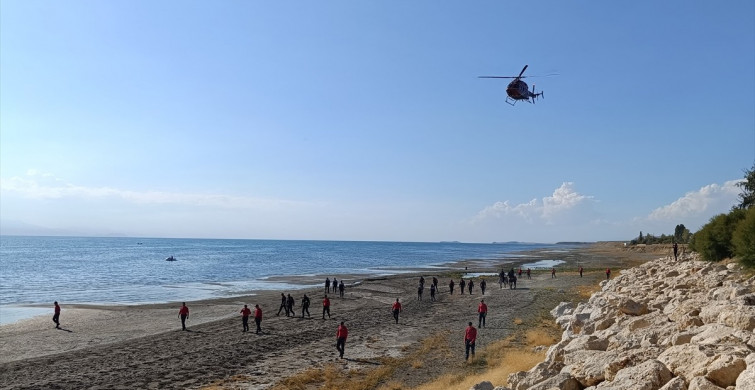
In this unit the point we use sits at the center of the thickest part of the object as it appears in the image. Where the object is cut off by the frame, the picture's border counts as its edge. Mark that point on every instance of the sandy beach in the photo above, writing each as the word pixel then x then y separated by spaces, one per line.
pixel 144 347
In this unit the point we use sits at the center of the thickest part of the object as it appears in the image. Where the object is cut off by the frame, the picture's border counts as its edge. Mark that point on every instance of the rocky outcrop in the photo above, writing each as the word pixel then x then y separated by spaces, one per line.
pixel 670 325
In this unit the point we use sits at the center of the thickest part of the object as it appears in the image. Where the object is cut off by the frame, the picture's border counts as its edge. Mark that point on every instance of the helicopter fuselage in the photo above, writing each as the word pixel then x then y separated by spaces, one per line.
pixel 518 90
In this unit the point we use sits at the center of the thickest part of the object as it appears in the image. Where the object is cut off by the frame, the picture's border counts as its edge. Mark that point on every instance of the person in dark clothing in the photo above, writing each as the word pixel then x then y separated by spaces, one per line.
pixel 676 251
pixel 422 281
pixel 341 288
pixel 284 305
pixel 420 288
pixel 435 283
pixel 56 315
pixel 304 305
pixel 608 273
pixel 483 284
pixel 245 312
pixel 327 285
pixel 290 306
pixel 462 283
pixel 470 285
pixel 432 293
pixel 580 271
pixel 335 285
pixel 451 286
pixel 258 318
pixel 529 274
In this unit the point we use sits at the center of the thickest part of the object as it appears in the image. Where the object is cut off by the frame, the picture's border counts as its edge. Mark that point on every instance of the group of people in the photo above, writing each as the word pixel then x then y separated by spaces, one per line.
pixel 335 285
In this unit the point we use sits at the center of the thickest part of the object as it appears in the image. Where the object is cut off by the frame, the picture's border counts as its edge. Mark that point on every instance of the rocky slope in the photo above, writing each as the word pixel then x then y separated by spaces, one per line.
pixel 669 325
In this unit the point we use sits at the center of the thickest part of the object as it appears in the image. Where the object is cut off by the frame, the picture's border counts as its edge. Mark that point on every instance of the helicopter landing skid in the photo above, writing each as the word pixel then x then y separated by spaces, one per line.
pixel 510 101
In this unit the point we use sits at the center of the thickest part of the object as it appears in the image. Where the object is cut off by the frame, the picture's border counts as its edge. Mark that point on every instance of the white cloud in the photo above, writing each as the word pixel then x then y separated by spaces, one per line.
pixel 707 201
pixel 564 204
pixel 33 188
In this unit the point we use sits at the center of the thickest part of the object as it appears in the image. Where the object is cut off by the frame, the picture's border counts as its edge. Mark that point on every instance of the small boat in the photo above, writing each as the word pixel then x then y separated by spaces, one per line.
pixel 170 259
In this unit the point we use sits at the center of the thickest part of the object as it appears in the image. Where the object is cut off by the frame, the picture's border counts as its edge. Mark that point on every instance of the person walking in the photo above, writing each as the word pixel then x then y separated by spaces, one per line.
pixel 432 293
pixel 580 271
pixel 258 318
pixel 512 282
pixel 608 273
pixel 470 337
pixel 451 286
pixel 245 312
pixel 327 285
pixel 482 310
pixel 341 288
pixel 435 283
pixel 529 274
pixel 341 334
pixel 335 285
pixel 305 306
pixel 290 302
pixel 676 251
pixel 483 284
pixel 462 283
pixel 470 285
pixel 422 281
pixel 56 315
pixel 396 308
pixel 283 306
pixel 553 272
pixel 420 288
pixel 325 307
pixel 183 314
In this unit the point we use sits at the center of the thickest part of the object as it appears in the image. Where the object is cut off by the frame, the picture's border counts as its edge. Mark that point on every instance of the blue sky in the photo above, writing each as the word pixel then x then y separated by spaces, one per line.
pixel 354 120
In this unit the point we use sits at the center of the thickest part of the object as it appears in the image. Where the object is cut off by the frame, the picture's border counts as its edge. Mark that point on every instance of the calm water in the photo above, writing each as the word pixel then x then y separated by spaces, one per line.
pixel 39 270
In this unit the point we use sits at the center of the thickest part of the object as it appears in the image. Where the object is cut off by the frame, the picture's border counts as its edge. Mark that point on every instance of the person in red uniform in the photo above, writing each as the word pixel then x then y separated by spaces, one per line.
pixel 396 309
pixel 258 318
pixel 482 309
pixel 470 336
pixel 325 307
pixel 183 314
pixel 341 334
pixel 580 271
pixel 245 312
pixel 608 273
pixel 56 316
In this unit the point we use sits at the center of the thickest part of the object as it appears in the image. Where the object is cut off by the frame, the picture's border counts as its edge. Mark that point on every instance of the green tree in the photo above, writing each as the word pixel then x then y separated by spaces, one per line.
pixel 747 197
pixel 681 234
pixel 713 241
pixel 743 239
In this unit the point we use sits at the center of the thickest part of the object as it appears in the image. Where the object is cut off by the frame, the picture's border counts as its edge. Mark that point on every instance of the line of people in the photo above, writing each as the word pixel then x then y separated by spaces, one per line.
pixel 341 287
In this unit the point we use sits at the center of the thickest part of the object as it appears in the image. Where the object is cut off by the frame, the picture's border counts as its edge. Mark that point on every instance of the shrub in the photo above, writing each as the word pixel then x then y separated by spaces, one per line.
pixel 713 241
pixel 743 239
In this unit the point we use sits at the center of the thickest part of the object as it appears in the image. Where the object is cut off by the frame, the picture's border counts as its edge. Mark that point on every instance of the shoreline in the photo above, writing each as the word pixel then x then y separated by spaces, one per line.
pixel 297 282
pixel 106 340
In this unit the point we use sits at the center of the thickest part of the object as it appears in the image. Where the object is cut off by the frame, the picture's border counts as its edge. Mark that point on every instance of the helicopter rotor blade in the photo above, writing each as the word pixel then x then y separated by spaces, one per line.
pixel 496 77
pixel 522 72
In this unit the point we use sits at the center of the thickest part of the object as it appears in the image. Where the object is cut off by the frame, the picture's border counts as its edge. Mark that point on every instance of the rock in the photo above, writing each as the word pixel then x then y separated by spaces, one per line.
pixel 563 308
pixel 724 370
pixel 650 375
pixel 632 308
pixel 676 383
pixel 746 379
pixel 700 383
pixel 561 381
pixel 483 386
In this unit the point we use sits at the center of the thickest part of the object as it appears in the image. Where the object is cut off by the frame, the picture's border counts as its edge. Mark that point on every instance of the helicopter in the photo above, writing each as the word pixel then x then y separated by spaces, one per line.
pixel 518 89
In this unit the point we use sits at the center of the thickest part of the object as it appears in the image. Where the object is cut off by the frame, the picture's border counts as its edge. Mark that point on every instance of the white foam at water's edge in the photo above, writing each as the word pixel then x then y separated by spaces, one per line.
pixel 12 314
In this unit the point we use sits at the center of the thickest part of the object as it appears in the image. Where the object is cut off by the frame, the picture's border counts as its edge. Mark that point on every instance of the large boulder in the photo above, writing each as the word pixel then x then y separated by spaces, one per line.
pixel 631 307
pixel 650 375
pixel 561 381
pixel 700 383
pixel 676 383
pixel 483 386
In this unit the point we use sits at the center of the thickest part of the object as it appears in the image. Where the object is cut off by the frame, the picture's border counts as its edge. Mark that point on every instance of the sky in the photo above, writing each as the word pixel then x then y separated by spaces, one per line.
pixel 357 120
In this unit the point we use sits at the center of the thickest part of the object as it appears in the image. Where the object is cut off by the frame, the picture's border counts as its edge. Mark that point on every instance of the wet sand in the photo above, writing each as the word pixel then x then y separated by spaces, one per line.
pixel 144 346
